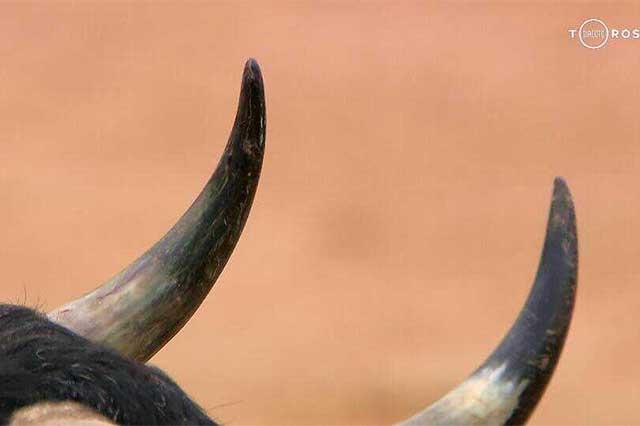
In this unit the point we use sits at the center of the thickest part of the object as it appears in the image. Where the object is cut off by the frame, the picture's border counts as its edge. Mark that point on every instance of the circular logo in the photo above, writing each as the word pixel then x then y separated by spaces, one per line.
pixel 593 33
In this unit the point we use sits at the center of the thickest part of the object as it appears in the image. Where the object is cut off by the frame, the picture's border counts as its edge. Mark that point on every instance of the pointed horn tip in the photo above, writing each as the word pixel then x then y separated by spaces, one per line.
pixel 562 204
pixel 561 191
pixel 560 187
pixel 251 115
pixel 252 72
pixel 252 90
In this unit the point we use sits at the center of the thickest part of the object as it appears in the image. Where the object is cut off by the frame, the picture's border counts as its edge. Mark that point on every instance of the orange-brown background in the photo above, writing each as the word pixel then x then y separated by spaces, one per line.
pixel 400 215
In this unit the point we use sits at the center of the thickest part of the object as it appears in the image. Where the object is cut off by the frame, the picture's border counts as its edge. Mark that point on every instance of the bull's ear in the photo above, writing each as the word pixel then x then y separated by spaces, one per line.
pixel 145 305
pixel 507 386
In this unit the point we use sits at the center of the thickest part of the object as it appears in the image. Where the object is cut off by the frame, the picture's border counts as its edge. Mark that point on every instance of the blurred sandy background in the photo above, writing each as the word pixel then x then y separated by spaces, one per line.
pixel 400 216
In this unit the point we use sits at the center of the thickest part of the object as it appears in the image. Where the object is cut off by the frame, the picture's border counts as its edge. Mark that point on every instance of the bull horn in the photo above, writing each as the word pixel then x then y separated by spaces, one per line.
pixel 145 305
pixel 506 388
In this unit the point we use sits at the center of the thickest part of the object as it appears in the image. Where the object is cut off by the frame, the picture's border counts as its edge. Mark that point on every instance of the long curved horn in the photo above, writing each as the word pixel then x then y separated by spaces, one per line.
pixel 507 386
pixel 145 305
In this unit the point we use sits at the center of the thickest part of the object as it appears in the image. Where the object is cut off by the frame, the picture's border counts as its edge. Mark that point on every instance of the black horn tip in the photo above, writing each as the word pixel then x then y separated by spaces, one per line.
pixel 252 70
pixel 252 84
pixel 560 183
pixel 562 201
pixel 250 125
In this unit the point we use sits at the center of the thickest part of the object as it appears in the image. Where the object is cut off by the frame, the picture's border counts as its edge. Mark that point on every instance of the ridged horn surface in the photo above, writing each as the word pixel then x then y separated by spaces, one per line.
pixel 506 388
pixel 145 305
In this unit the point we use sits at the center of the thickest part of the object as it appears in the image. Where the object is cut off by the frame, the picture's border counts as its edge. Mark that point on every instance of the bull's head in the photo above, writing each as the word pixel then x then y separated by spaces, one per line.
pixel 144 306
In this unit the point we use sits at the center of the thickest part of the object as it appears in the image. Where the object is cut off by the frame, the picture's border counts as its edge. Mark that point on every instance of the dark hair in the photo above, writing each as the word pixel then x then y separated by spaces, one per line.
pixel 41 361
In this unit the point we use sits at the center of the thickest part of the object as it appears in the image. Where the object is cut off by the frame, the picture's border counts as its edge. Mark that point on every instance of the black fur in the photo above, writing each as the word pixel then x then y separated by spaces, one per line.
pixel 42 361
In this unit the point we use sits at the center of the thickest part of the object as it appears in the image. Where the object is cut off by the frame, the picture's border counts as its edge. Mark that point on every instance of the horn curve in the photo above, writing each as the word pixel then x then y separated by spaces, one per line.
pixel 506 388
pixel 145 305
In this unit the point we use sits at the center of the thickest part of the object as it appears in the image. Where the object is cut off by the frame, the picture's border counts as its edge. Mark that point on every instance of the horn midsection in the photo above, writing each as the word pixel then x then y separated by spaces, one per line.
pixel 507 386
pixel 145 305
